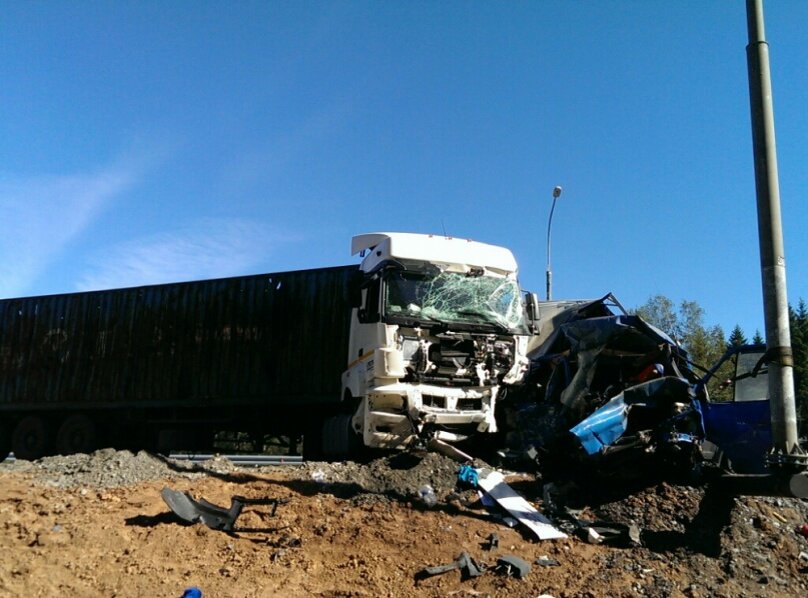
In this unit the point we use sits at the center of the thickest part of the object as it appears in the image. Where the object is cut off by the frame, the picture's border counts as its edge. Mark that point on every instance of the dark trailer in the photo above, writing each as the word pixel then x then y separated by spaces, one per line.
pixel 171 364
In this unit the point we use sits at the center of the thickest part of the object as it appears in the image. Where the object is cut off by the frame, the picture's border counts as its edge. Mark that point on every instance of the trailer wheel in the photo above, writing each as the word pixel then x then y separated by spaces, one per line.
pixel 76 435
pixel 30 438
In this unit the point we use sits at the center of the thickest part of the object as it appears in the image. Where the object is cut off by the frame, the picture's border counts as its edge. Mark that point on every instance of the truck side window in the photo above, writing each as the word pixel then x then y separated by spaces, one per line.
pixel 751 387
pixel 369 314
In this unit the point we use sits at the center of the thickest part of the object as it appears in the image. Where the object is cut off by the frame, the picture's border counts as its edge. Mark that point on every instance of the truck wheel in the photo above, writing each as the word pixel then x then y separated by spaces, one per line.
pixel 30 440
pixel 76 435
pixel 339 439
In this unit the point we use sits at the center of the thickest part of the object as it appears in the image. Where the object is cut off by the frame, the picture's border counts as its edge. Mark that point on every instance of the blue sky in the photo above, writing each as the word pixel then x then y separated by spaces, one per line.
pixel 146 142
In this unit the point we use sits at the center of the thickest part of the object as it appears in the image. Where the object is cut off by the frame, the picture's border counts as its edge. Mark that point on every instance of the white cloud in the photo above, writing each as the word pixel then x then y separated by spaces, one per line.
pixel 39 217
pixel 209 248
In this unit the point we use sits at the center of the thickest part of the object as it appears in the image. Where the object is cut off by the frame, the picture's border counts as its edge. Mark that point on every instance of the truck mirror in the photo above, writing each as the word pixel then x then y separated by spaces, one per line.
pixel 532 306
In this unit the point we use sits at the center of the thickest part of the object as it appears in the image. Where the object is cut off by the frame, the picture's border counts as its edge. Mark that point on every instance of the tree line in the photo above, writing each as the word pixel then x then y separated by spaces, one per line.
pixel 705 344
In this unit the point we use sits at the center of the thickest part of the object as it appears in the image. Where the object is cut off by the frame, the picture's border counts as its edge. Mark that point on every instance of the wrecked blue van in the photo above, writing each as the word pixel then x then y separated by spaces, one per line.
pixel 607 390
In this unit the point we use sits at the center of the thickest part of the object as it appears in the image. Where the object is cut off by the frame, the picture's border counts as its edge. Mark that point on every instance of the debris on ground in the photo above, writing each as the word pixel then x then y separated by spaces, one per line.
pixel 95 525
pixel 492 542
pixel 464 563
pixel 546 561
pixel 512 566
pixel 492 482
pixel 184 506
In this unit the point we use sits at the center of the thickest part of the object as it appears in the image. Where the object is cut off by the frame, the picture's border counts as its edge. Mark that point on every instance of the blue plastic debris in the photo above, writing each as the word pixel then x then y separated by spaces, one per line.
pixel 192 593
pixel 468 475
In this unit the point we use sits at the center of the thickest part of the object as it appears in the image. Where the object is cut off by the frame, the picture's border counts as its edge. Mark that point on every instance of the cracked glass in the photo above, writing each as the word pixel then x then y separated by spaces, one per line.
pixel 455 297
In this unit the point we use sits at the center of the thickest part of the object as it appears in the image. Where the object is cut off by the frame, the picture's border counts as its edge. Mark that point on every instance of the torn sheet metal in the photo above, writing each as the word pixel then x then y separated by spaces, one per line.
pixel 493 482
pixel 666 399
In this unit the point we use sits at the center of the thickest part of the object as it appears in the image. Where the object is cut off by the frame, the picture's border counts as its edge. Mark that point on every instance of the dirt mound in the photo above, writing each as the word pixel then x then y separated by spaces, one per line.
pixel 105 468
pixel 399 476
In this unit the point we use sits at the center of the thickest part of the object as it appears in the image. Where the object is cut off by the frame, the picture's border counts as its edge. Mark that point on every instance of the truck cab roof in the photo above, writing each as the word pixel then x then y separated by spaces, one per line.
pixel 379 247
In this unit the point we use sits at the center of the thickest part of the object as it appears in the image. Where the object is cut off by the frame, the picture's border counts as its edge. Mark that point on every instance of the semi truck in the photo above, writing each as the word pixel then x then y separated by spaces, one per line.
pixel 412 344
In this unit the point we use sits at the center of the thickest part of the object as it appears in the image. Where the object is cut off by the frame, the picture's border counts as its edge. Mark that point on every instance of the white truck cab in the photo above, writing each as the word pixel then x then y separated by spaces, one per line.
pixel 440 328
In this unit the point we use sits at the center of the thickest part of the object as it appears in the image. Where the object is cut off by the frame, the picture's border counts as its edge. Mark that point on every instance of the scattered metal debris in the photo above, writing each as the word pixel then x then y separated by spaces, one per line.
pixel 609 532
pixel 448 450
pixel 512 566
pixel 508 565
pixel 546 561
pixel 492 542
pixel 493 482
pixel 464 562
pixel 184 506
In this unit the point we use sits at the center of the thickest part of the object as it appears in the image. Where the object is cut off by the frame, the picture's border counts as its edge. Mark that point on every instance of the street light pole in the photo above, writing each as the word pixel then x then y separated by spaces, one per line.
pixel 770 233
pixel 556 195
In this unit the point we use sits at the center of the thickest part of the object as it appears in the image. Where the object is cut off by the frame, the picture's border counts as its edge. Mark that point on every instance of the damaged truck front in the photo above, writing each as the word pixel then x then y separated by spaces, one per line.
pixel 439 329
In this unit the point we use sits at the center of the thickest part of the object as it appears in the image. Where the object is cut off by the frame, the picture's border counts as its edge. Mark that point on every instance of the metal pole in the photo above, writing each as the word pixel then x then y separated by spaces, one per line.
pixel 770 234
pixel 549 272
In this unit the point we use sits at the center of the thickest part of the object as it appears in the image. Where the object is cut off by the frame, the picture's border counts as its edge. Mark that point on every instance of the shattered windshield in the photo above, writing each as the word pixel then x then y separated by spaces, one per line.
pixel 454 297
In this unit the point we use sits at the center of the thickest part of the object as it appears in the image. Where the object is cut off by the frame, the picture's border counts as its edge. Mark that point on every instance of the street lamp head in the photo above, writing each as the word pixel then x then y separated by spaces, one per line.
pixel 556 192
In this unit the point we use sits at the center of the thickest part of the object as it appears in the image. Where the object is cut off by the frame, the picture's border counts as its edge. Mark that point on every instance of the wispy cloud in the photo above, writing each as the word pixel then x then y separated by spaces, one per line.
pixel 208 248
pixel 40 216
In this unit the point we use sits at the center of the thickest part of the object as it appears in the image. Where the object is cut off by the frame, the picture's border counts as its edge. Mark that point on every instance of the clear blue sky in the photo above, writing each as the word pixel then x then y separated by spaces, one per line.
pixel 145 142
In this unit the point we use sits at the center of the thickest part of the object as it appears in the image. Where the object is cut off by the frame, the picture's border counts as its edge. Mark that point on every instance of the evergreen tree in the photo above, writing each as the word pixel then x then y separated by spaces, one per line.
pixel 758 339
pixel 798 320
pixel 736 338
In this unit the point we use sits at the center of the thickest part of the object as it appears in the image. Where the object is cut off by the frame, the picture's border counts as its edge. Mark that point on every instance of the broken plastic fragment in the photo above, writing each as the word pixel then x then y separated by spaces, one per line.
pixel 513 566
pixel 465 562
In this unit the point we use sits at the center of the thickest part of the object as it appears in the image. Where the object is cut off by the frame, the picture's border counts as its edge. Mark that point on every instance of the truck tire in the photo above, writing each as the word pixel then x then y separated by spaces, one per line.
pixel 30 439
pixel 339 440
pixel 76 435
